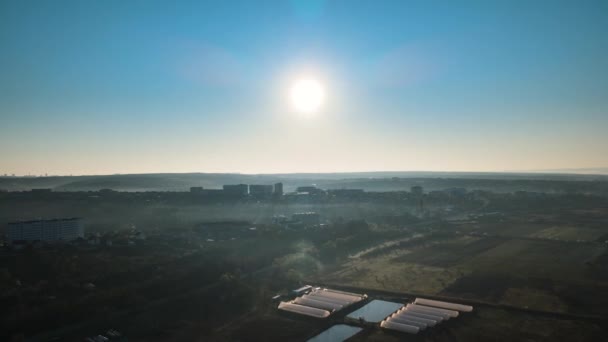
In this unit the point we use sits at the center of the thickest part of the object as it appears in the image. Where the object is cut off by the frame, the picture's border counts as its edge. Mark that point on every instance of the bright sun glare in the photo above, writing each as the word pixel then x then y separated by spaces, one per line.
pixel 307 95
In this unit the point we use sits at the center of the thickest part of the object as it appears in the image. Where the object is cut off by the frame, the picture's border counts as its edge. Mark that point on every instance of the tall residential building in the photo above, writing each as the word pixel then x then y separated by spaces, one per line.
pixel 46 230
pixel 278 189
pixel 260 190
pixel 236 189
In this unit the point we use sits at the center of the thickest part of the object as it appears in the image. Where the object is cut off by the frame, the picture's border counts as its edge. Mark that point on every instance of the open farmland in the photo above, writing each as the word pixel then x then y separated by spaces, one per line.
pixel 450 253
pixel 569 233
pixel 557 260
pixel 535 265
pixel 382 273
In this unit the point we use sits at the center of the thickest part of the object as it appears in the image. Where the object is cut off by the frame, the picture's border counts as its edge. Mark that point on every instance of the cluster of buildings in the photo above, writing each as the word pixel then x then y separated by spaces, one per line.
pixel 268 191
pixel 410 318
pixel 242 190
pixel 320 302
pixel 422 314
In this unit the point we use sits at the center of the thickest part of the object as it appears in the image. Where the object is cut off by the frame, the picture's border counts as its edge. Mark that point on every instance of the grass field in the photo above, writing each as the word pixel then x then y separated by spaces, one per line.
pixel 538 259
pixel 450 253
pixel 569 233
pixel 560 276
pixel 383 273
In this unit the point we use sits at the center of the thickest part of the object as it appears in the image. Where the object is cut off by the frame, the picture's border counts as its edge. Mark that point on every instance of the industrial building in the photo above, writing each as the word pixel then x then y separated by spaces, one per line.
pixel 320 303
pixel 422 314
pixel 410 318
pixel 46 230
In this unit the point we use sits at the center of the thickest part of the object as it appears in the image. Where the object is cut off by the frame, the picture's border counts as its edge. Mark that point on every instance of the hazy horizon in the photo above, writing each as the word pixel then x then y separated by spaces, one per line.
pixel 105 87
pixel 599 171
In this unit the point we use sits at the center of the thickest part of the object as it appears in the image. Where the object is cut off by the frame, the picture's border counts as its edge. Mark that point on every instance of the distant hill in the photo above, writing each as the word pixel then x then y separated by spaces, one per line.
pixel 370 181
pixel 588 171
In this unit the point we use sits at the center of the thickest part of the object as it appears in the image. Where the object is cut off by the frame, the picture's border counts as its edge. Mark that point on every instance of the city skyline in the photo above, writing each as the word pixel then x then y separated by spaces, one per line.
pixel 151 87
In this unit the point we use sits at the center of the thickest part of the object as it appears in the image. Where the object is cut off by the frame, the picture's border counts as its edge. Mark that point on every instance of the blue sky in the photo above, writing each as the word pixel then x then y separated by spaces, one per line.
pixel 96 87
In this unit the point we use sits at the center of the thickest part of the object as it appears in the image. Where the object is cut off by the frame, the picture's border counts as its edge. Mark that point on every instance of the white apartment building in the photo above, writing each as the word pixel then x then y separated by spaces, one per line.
pixel 46 230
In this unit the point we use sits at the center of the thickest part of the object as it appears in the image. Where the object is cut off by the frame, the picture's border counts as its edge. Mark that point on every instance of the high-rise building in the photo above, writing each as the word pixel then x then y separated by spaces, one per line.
pixel 236 189
pixel 46 230
pixel 278 189
pixel 260 190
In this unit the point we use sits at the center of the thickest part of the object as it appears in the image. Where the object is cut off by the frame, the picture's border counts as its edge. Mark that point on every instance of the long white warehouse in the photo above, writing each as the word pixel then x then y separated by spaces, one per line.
pixel 327 299
pixel 449 313
pixel 410 329
pixel 304 310
pixel 444 305
pixel 427 311
pixel 421 314
pixel 308 301
pixel 411 317
pixel 352 298
pixel 409 321
pixel 321 303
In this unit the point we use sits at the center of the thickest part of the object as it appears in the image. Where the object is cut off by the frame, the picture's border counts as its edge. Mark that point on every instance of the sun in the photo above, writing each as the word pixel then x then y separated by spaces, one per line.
pixel 307 95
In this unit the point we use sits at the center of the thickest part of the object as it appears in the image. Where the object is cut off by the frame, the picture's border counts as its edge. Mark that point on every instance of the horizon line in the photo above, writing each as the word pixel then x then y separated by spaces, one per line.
pixel 590 171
